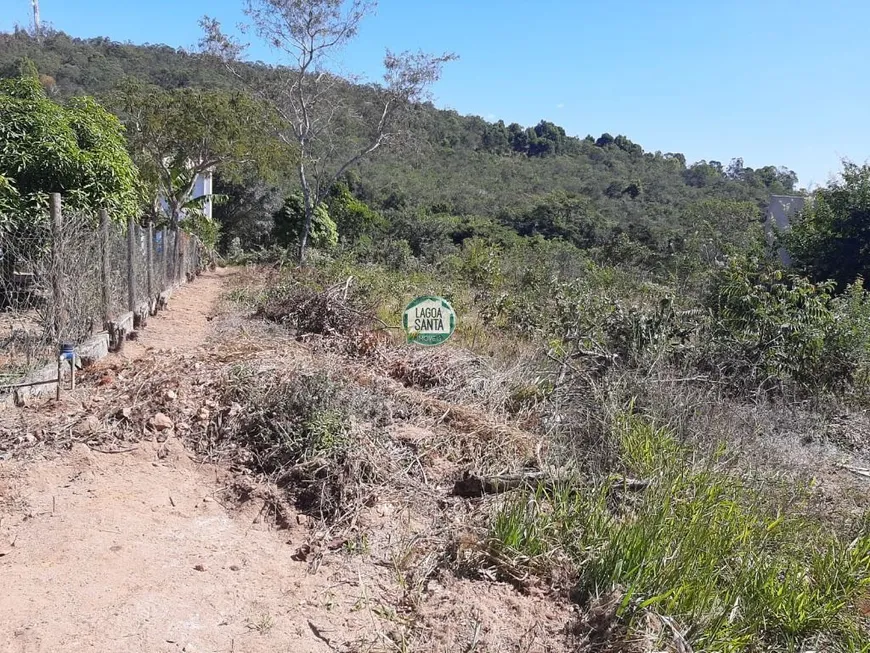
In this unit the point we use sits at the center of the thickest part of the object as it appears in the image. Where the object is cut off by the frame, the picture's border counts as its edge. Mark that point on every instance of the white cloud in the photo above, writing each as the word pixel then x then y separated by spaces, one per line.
pixel 561 105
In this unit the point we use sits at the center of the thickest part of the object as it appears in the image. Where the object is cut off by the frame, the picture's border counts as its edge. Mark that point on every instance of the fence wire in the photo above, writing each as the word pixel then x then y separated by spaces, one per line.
pixel 63 281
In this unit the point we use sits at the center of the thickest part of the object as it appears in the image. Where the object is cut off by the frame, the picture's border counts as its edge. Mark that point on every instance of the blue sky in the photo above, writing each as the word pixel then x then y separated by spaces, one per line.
pixel 773 81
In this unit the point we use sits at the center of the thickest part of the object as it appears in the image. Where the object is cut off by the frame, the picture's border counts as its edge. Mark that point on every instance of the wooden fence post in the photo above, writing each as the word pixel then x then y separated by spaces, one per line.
pixel 56 285
pixel 149 263
pixel 131 272
pixel 176 255
pixel 105 269
pixel 164 245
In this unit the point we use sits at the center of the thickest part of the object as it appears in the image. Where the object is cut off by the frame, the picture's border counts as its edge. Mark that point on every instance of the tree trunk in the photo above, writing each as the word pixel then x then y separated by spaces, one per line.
pixel 306 230
pixel 309 205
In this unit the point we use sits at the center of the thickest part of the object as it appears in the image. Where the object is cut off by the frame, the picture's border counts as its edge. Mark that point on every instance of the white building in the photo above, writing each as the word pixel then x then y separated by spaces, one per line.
pixel 780 211
pixel 202 186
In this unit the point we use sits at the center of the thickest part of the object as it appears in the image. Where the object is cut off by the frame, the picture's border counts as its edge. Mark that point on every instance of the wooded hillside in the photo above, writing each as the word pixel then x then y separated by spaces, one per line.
pixel 456 164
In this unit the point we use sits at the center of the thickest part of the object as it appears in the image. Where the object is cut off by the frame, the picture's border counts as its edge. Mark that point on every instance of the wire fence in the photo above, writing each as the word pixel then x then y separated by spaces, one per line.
pixel 70 275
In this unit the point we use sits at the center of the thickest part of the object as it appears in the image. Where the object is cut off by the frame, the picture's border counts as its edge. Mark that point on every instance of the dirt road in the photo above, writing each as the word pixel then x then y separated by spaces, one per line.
pixel 186 322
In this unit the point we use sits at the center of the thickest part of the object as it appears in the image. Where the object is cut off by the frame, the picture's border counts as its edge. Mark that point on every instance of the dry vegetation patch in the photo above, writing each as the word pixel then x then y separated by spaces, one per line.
pixel 335 427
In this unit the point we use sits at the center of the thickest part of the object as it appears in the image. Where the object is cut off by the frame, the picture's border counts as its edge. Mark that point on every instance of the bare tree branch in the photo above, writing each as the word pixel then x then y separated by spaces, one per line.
pixel 312 102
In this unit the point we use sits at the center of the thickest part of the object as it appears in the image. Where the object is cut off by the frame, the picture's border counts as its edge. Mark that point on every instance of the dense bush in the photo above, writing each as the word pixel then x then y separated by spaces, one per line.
pixel 290 219
pixel 770 327
pixel 829 238
pixel 77 149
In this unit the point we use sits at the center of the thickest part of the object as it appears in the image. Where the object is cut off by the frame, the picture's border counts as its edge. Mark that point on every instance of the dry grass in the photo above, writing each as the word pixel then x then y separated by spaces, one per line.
pixel 344 420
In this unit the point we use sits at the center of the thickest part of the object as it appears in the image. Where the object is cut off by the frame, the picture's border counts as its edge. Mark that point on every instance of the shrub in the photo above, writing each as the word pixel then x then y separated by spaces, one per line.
pixel 698 546
pixel 286 422
pixel 770 328
pixel 290 220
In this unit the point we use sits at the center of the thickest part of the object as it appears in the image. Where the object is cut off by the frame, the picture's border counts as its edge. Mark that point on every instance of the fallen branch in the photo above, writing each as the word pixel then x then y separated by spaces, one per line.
pixel 471 485
pixel 127 450
pixel 368 316
pixel 860 471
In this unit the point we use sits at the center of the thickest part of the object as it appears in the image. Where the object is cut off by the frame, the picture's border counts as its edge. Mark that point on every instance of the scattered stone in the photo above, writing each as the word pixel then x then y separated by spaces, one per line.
pixel 88 426
pixel 160 422
pixel 203 414
pixel 171 395
pixel 199 567
pixel 302 553
pixel 234 568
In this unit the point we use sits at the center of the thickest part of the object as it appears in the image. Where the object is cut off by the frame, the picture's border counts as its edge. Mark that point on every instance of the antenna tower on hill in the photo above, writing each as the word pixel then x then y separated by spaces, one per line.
pixel 37 25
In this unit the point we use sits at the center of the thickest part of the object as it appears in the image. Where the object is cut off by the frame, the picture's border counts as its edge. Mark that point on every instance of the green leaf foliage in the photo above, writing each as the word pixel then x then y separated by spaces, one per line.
pixel 179 133
pixel 77 149
pixel 770 327
pixel 290 219
pixel 463 165
pixel 353 218
pixel 830 238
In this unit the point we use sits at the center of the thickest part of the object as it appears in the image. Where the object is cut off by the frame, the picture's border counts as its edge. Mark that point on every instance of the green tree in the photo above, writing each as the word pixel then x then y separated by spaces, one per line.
pixel 308 99
pixel 496 138
pixel 702 174
pixel 561 215
pixel 179 134
pixel 247 211
pixel 77 149
pixel 716 227
pixel 290 223
pixel 830 238
pixel 605 140
pixel 352 216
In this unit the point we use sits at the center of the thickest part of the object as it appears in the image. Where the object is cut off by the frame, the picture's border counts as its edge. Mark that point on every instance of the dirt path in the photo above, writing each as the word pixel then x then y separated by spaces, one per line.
pixel 135 551
pixel 145 549
pixel 186 322
pixel 119 553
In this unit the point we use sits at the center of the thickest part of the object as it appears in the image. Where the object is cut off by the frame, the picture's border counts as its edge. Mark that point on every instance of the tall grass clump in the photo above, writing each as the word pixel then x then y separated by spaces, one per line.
pixel 737 570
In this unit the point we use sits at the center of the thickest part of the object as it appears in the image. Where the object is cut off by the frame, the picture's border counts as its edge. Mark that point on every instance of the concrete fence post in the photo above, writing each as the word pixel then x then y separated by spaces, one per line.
pixel 164 244
pixel 149 263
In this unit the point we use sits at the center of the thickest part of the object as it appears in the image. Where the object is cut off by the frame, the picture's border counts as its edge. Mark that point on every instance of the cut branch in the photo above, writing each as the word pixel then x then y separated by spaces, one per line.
pixel 472 486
